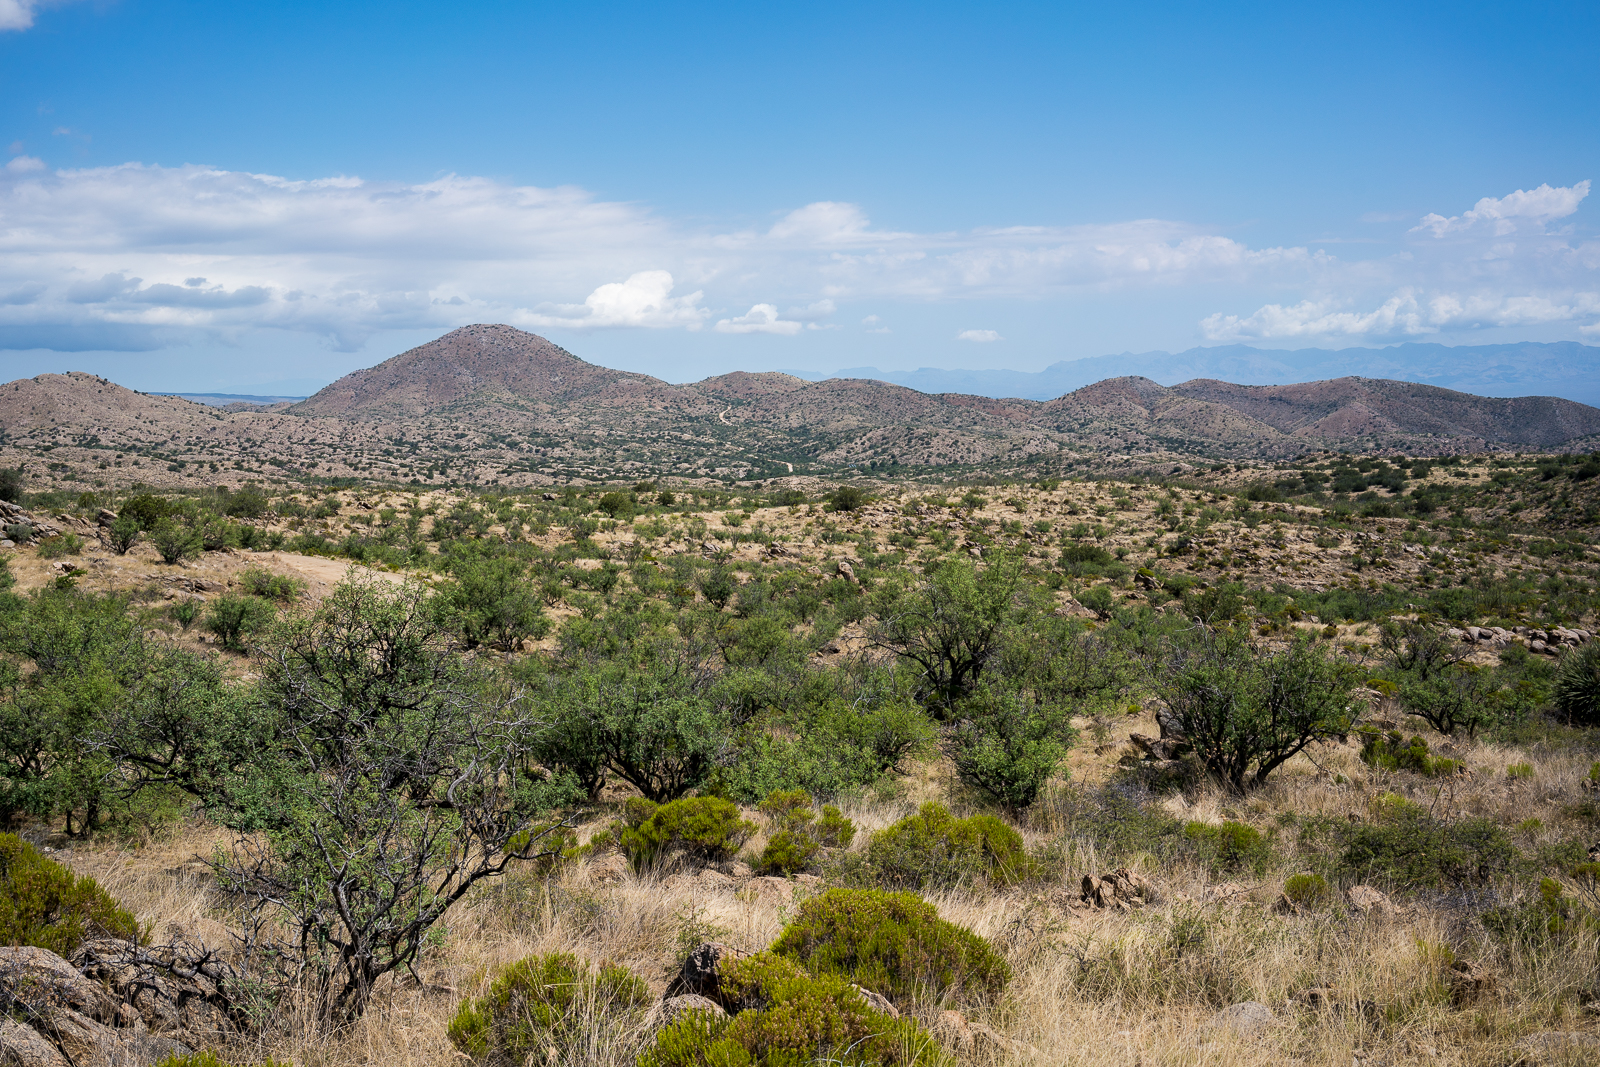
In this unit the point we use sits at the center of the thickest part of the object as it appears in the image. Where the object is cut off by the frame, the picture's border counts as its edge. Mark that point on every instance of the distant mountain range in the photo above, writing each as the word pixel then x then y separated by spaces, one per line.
pixel 490 404
pixel 1564 368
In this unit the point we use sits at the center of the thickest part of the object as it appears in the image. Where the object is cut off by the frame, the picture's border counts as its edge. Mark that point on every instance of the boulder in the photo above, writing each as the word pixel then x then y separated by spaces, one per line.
pixel 846 570
pixel 1370 901
pixel 26 1047
pixel 1121 889
pixel 1248 1017
pixel 671 1009
pixel 174 989
pixel 1558 1048
pixel 1469 981
pixel 701 972
pixel 58 1016
pixel 1162 748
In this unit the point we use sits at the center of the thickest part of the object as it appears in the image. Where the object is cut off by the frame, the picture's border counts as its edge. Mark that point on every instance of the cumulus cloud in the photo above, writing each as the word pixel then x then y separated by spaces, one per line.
pixel 644 299
pixel 1534 205
pixel 980 336
pixel 761 318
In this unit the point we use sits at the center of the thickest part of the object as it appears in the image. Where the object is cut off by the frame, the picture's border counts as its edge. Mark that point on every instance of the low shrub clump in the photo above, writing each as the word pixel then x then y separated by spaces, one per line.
pixel 799 835
pixel 1307 890
pixel 708 829
pixel 544 1003
pixel 1392 752
pixel 211 1059
pixel 787 1017
pixel 45 905
pixel 934 848
pixel 894 944
pixel 1233 846
pixel 258 581
pixel 1406 847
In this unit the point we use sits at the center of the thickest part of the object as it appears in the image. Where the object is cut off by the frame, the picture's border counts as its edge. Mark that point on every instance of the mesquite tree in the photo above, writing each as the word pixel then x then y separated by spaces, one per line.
pixel 1244 707
pixel 396 780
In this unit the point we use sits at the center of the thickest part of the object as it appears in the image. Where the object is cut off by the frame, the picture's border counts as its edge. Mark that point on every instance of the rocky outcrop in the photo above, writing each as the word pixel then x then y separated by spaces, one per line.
pixel 113 1005
pixel 1121 889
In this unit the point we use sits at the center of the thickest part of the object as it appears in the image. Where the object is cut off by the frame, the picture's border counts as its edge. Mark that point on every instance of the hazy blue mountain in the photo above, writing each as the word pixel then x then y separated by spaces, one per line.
pixel 1563 368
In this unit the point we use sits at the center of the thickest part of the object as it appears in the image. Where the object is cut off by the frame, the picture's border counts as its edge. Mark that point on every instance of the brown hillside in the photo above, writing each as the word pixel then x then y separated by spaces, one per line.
pixel 1347 408
pixel 475 363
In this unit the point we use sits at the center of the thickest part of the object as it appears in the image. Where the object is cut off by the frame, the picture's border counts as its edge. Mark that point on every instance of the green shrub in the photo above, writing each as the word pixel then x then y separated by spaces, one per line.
pixel 45 905
pixel 798 835
pixel 1408 847
pixel 145 510
pixel 542 1003
pixel 1578 685
pixel 175 541
pixel 211 1059
pixel 789 1018
pixel 1008 745
pixel 894 944
pixel 123 534
pixel 1392 752
pixel 1520 770
pixel 234 618
pixel 933 848
pixel 65 545
pixel 1233 846
pixel 707 828
pixel 184 612
pixel 258 581
pixel 1307 890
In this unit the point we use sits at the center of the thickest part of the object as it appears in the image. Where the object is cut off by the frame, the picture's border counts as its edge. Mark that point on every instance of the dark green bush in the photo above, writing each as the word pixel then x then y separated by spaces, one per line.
pixel 1391 751
pixel 707 828
pixel 1007 745
pixel 145 510
pixel 1578 685
pixel 234 618
pixel 1409 848
pixel 933 848
pixel 788 1018
pixel 123 534
pixel 798 834
pixel 1233 846
pixel 542 1003
pixel 258 581
pixel 45 905
pixel 894 944
pixel 175 541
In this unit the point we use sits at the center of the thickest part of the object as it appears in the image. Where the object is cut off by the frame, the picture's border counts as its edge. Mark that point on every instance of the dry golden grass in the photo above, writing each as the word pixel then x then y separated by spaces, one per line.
pixel 1101 988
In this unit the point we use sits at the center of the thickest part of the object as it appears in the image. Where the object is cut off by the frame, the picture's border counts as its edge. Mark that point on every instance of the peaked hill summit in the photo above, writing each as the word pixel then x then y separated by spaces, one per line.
pixel 492 404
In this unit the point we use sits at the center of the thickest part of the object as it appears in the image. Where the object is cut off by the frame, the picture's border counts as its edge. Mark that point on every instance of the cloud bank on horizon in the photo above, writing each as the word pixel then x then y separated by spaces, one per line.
pixel 138 257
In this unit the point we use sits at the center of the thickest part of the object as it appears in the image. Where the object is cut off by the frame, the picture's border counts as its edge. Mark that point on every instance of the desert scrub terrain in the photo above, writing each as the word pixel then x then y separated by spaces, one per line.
pixel 1191 774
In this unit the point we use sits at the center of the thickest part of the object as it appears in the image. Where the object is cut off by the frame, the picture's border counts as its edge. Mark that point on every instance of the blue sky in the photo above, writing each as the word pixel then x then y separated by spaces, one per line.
pixel 252 197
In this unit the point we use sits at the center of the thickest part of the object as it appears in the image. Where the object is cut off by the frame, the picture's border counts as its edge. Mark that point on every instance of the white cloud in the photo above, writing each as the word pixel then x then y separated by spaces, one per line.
pixel 980 336
pixel 17 14
pixel 1402 315
pixel 761 318
pixel 1536 205
pixel 643 300
pixel 136 256
pixel 824 222
pixel 20 14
